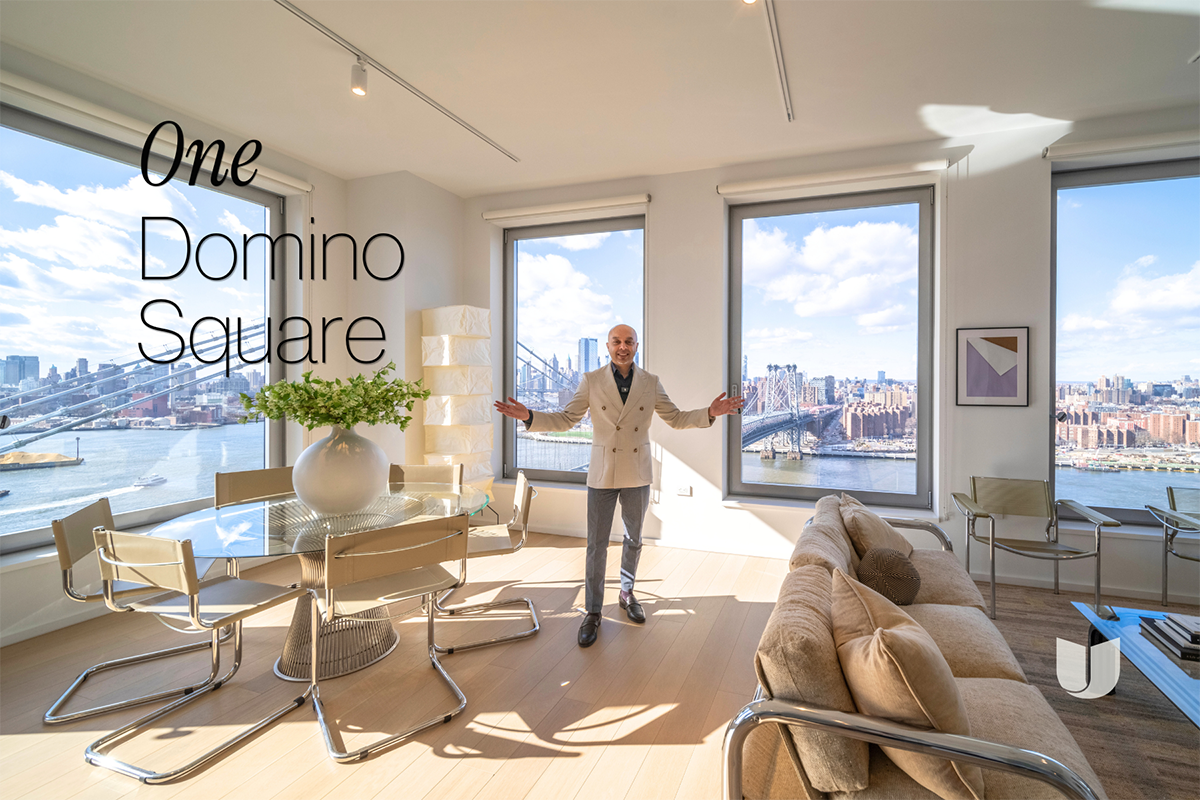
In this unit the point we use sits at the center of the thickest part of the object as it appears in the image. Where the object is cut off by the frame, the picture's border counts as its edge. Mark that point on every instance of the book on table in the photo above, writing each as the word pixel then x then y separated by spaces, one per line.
pixel 1187 625
pixel 1176 644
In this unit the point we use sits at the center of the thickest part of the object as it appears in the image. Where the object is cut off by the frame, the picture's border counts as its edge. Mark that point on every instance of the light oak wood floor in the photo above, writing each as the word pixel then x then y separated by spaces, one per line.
pixel 638 715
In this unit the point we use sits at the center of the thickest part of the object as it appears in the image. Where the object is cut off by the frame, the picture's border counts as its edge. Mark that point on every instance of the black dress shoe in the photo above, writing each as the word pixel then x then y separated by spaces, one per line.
pixel 633 609
pixel 587 631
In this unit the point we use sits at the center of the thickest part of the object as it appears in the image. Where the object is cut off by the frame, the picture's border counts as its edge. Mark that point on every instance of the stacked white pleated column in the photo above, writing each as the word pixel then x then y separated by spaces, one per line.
pixel 457 356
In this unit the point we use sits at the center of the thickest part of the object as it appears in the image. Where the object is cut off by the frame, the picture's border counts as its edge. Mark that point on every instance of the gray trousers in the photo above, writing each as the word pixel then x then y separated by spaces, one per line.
pixel 601 503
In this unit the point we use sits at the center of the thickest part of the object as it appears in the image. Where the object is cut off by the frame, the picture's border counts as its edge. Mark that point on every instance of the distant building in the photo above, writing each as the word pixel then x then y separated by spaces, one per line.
pixel 830 390
pixel 882 377
pixel 81 367
pixel 588 355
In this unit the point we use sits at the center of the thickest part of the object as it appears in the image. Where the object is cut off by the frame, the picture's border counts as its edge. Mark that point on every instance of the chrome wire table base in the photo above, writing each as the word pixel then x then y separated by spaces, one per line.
pixel 343 646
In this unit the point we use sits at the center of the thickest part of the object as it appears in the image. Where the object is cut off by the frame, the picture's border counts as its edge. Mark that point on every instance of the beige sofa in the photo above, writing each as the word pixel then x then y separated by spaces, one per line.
pixel 828 749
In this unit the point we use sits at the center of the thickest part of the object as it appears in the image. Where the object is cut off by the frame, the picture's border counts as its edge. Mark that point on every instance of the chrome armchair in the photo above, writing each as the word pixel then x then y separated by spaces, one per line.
pixel 74 542
pixel 991 497
pixel 169 567
pixel 1182 516
pixel 964 749
pixel 368 570
pixel 494 540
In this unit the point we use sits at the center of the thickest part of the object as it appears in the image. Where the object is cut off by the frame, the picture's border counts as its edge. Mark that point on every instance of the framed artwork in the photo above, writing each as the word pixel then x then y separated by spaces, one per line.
pixel 993 367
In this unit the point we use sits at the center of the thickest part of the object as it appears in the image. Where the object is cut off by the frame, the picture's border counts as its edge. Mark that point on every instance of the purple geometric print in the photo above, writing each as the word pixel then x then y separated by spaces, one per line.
pixel 983 381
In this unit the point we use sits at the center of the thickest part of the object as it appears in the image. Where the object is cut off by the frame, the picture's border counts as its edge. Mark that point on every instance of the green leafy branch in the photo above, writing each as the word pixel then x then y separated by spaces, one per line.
pixel 315 402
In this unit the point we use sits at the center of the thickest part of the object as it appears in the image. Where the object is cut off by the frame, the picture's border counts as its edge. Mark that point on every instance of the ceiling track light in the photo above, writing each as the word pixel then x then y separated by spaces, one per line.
pixel 773 24
pixel 365 59
pixel 358 78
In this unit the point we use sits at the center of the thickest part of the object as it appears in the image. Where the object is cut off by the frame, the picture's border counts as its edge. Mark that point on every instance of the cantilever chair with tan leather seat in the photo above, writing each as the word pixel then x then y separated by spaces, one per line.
pixel 74 542
pixel 168 566
pixel 427 473
pixel 231 488
pixel 368 570
pixel 1183 516
pixel 494 540
pixel 992 497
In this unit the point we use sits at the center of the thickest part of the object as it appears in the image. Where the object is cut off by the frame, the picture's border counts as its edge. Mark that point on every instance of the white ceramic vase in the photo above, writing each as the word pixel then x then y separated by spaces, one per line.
pixel 340 474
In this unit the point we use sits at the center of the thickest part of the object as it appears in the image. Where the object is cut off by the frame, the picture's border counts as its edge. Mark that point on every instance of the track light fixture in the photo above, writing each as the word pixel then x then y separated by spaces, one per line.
pixel 358 78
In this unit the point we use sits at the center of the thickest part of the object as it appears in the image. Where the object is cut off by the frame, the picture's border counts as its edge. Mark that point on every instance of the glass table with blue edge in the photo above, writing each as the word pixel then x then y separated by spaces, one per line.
pixel 1175 677
pixel 282 525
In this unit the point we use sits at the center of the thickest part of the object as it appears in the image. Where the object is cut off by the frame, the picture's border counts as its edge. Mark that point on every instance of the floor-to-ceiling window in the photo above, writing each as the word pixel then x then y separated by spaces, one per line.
pixel 567 285
pixel 1127 335
pixel 112 385
pixel 831 331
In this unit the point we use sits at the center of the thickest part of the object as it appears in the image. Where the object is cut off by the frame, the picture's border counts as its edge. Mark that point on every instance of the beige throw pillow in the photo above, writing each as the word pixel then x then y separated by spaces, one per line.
pixel 868 530
pixel 895 671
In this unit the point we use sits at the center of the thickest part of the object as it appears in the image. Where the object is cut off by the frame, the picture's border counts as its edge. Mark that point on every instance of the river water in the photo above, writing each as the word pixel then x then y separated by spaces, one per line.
pixel 114 459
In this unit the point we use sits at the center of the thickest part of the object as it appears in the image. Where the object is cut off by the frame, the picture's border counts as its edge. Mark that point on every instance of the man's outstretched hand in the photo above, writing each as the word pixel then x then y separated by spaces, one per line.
pixel 724 405
pixel 512 409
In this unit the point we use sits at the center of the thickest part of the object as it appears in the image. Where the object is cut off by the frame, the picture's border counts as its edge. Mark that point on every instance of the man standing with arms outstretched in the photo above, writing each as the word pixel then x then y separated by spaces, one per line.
pixel 623 399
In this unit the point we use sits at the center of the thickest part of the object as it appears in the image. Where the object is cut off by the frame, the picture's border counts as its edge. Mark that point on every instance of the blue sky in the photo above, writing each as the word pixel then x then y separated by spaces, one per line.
pixel 571 287
pixel 1129 281
pixel 833 292
pixel 70 255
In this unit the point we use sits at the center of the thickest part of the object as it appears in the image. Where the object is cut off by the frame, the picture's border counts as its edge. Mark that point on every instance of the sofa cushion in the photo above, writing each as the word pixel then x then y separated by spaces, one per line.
pixel 1000 711
pixel 888 572
pixel 1017 714
pixel 824 541
pixel 944 581
pixel 895 671
pixel 970 642
pixel 868 530
pixel 796 660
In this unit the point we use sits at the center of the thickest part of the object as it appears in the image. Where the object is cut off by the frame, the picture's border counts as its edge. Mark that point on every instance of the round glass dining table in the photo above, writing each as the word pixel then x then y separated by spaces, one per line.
pixel 282 525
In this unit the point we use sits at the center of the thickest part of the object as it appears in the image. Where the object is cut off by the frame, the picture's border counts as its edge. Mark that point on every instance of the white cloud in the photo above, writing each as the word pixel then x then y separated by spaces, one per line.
pixel 230 221
pixel 895 315
pixel 1079 322
pixel 580 241
pixel 767 338
pixel 1137 294
pixel 77 241
pixel 864 269
pixel 119 207
pixel 557 306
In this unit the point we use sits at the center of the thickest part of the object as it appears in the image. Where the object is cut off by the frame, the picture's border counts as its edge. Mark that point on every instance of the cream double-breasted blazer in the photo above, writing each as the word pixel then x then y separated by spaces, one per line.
pixel 620 433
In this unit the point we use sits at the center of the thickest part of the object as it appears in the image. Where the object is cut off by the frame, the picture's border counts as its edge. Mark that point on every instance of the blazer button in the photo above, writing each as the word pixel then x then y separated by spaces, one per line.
pixel 641 408
pixel 635 429
pixel 603 408
pixel 615 450
pixel 635 449
pixel 618 427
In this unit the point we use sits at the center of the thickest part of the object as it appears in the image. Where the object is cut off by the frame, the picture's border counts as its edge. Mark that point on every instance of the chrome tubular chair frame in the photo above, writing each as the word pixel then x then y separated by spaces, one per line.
pixel 965 749
pixel 1049 550
pixel 520 519
pixel 343 757
pixel 95 752
pixel 64 534
pixel 411 549
pixel 1174 523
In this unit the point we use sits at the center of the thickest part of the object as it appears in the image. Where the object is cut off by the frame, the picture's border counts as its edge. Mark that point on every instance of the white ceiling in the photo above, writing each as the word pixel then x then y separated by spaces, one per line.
pixel 591 90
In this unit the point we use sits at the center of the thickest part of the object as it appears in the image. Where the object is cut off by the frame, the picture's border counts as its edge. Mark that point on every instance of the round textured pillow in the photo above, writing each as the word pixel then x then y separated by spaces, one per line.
pixel 891 574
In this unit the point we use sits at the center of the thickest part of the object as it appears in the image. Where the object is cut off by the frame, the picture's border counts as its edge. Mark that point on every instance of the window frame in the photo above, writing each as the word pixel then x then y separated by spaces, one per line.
pixel 509 466
pixel 924 195
pixel 86 141
pixel 1067 178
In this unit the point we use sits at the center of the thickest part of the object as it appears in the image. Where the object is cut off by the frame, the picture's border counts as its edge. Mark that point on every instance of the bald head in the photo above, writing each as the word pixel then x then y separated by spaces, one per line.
pixel 622 347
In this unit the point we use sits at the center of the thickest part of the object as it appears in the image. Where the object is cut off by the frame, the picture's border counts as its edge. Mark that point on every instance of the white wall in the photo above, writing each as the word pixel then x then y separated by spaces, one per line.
pixel 993 268
pixel 428 220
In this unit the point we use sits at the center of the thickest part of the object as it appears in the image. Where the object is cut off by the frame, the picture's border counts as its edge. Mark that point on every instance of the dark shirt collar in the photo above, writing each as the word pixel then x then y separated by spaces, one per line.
pixel 623 384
